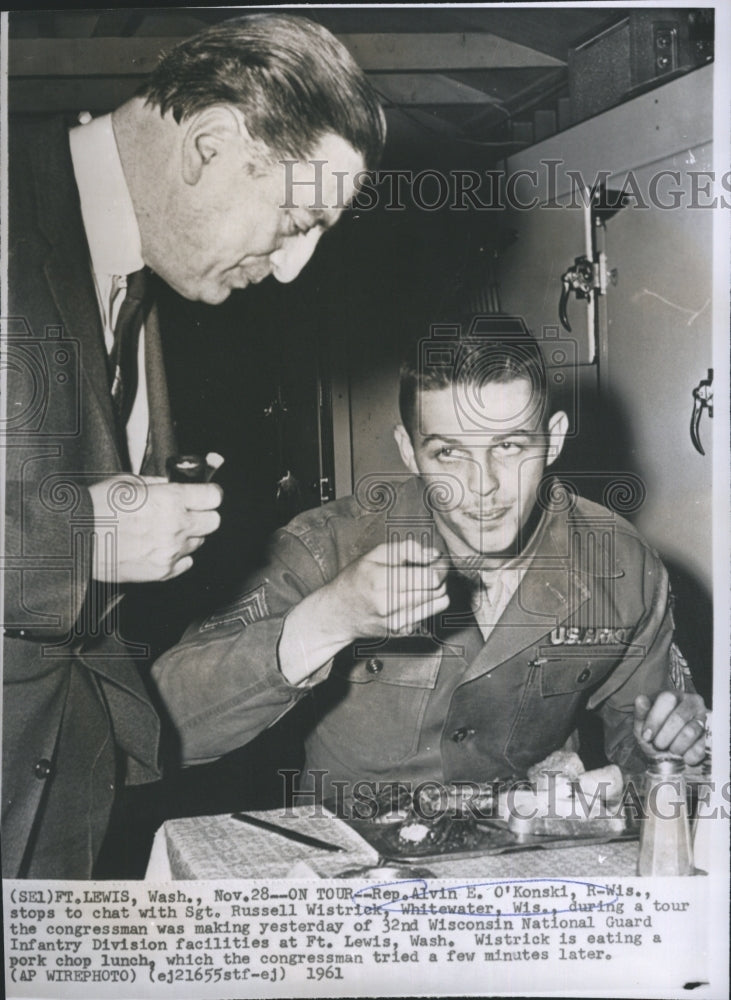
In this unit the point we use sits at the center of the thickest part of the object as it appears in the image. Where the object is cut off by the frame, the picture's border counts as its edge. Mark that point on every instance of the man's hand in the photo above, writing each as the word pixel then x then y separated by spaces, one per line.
pixel 146 529
pixel 389 590
pixel 675 723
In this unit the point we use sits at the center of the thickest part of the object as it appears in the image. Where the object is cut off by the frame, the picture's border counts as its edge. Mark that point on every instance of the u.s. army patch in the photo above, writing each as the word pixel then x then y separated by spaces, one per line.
pixel 246 608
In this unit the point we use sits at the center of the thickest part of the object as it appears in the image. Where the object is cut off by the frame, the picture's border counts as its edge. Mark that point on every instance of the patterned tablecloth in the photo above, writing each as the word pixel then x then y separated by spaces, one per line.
pixel 218 847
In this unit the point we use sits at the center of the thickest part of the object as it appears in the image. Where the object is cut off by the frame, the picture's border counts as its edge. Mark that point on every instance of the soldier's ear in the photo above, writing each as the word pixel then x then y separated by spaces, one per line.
pixel 405 447
pixel 558 427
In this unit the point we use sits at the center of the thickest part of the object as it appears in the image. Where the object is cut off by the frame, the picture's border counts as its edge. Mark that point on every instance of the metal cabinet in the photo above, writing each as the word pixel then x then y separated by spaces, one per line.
pixel 644 340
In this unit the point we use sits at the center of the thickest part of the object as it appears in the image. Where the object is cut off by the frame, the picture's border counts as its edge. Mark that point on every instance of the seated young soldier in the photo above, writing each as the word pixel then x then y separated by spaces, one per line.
pixel 450 624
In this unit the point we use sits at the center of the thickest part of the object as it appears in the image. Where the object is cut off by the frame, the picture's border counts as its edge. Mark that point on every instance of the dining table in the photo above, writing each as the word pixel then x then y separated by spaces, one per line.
pixel 220 847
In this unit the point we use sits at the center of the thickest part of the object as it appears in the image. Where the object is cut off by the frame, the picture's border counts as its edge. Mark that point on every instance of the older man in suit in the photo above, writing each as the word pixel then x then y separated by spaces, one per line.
pixel 243 148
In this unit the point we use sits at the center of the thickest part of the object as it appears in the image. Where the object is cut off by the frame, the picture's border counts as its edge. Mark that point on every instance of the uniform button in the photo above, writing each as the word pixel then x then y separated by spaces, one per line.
pixel 461 734
pixel 42 768
pixel 584 676
pixel 374 665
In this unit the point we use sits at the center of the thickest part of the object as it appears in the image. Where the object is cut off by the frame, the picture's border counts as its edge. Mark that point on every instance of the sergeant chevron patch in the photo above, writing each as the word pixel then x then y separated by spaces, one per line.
pixel 246 608
pixel 680 673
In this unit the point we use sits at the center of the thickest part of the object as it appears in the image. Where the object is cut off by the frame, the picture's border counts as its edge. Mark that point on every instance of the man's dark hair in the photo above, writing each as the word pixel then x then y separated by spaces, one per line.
pixel 290 77
pixel 473 352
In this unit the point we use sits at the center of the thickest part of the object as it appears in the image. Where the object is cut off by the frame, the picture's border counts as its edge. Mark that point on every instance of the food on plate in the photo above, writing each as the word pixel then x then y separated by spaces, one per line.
pixel 441 835
pixel 562 762
pixel 413 833
pixel 564 799
pixel 607 782
pixel 560 800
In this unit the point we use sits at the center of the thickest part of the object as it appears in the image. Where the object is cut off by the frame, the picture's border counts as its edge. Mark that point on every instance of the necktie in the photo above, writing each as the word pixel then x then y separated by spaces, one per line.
pixel 486 588
pixel 491 586
pixel 123 356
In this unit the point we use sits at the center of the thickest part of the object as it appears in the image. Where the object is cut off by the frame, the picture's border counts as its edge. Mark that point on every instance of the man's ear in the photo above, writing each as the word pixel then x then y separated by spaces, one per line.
pixel 558 427
pixel 206 134
pixel 405 447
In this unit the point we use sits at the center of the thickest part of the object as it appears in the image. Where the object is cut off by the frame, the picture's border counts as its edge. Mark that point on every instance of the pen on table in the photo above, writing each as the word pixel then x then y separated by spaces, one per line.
pixel 300 838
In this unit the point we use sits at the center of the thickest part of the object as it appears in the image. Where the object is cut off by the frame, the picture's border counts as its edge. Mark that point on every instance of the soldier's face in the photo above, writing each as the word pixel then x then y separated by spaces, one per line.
pixel 489 449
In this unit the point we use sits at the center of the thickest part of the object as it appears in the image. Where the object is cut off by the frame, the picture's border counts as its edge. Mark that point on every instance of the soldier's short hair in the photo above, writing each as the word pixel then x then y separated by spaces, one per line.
pixel 473 351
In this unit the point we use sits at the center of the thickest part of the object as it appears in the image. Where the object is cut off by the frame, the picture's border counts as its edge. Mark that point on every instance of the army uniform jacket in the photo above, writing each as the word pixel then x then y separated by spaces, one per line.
pixel 588 625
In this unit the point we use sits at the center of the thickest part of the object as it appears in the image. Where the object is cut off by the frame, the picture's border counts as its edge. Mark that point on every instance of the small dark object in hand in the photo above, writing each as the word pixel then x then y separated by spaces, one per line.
pixel 187 469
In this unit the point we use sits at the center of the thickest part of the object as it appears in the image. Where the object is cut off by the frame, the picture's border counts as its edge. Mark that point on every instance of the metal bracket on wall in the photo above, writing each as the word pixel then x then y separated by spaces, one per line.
pixel 583 278
pixel 589 276
pixel 579 279
pixel 702 400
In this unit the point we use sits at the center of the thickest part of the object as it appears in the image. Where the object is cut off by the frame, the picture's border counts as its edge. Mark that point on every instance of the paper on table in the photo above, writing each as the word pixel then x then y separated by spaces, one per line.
pixel 210 847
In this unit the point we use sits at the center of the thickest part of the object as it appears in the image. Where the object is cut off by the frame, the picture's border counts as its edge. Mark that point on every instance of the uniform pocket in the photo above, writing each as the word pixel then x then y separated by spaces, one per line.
pixel 554 691
pixel 572 674
pixel 373 707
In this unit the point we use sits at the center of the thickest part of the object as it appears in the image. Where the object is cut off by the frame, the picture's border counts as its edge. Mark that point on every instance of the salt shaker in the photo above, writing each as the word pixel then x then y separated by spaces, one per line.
pixel 703 833
pixel 702 826
pixel 665 843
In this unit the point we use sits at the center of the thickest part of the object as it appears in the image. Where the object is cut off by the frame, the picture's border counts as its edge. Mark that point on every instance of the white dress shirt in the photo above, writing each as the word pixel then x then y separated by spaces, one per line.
pixel 114 245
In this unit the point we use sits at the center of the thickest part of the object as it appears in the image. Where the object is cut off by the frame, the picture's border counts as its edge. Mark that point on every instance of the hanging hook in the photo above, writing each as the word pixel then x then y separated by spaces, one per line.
pixel 702 400
pixel 579 279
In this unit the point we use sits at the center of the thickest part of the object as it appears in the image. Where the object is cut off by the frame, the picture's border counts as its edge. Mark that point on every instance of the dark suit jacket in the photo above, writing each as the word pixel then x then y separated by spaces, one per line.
pixel 77 718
